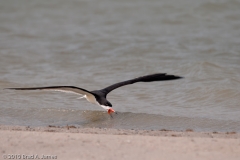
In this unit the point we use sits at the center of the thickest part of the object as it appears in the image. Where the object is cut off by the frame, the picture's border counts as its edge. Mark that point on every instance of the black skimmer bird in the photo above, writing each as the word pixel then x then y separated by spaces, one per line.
pixel 99 97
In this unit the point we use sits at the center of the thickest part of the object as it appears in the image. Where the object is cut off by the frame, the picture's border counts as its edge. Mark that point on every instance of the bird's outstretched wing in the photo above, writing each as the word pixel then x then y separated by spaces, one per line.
pixel 148 78
pixel 67 89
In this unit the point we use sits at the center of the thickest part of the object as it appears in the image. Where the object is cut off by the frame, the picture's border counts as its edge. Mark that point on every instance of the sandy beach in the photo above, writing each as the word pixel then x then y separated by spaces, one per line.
pixel 70 142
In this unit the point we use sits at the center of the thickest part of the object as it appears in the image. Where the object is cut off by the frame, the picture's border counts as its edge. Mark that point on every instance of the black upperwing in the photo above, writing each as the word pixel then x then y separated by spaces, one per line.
pixel 147 78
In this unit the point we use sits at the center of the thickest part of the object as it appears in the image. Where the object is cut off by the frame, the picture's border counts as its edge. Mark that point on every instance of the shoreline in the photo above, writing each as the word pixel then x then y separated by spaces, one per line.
pixel 70 142
pixel 112 131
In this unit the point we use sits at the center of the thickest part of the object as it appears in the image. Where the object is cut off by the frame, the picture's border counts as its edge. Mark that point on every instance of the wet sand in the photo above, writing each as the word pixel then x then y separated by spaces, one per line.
pixel 70 142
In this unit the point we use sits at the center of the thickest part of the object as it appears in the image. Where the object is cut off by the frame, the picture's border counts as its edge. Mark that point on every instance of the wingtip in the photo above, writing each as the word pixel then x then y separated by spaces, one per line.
pixel 11 88
pixel 173 77
pixel 7 88
pixel 179 77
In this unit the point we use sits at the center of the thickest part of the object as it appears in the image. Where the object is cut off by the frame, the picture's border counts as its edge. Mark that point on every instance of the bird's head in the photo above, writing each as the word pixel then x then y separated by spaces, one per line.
pixel 110 110
pixel 108 106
